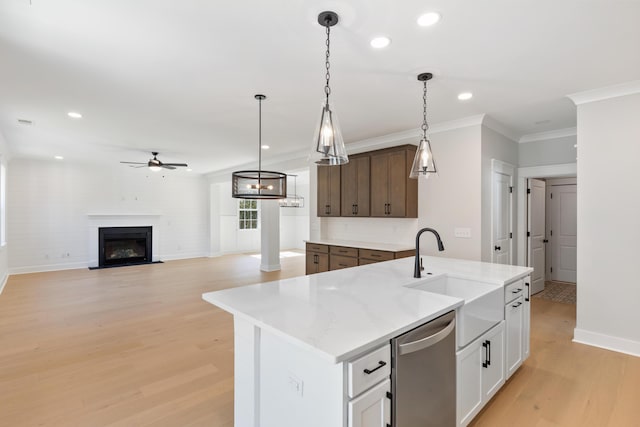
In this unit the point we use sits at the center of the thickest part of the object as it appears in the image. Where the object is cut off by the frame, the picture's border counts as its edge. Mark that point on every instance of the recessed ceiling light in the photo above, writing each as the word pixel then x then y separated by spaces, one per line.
pixel 58 157
pixel 265 147
pixel 74 115
pixel 428 19
pixel 380 42
pixel 189 169
pixel 464 96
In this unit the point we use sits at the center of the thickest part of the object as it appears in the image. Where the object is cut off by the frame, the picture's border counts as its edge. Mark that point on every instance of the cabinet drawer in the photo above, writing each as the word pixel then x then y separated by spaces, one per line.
pixel 336 262
pixel 369 370
pixel 344 251
pixel 513 290
pixel 376 255
pixel 314 247
pixel 364 261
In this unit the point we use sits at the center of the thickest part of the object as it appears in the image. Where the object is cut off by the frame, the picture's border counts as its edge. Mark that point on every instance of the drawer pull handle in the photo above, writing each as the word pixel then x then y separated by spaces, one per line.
pixel 517 305
pixel 516 291
pixel 371 371
pixel 528 292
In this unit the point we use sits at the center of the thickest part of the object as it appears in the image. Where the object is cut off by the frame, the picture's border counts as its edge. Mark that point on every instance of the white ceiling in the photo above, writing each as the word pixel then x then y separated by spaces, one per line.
pixel 179 76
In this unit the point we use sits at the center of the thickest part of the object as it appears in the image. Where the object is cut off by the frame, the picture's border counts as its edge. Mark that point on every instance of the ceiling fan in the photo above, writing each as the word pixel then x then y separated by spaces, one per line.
pixel 155 164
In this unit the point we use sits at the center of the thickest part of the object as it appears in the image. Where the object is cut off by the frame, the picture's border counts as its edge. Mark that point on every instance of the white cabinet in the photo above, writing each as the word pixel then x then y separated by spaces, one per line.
pixel 480 373
pixel 372 408
pixel 526 331
pixel 514 320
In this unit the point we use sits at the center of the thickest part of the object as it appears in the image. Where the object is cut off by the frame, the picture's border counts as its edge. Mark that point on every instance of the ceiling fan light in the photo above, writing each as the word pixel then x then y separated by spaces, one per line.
pixel 155 168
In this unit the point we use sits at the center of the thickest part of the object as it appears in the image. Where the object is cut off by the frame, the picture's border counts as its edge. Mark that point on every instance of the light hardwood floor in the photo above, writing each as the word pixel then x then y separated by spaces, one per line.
pixel 137 346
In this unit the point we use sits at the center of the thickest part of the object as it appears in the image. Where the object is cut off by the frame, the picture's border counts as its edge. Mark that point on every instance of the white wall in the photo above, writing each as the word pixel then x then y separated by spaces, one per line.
pixel 495 146
pixel 4 249
pixel 49 202
pixel 608 230
pixel 547 152
pixel 453 198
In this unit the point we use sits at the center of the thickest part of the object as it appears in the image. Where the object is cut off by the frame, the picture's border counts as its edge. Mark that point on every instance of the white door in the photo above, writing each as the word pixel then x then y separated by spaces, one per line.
pixel 536 233
pixel 371 409
pixel 562 233
pixel 501 216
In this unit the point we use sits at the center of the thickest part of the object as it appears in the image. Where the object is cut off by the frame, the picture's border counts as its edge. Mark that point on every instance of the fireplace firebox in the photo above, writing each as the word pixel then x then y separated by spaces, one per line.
pixel 124 246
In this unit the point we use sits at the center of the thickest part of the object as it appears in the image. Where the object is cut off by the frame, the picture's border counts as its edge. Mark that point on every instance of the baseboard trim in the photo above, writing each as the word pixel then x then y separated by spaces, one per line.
pixel 270 267
pixel 4 281
pixel 49 267
pixel 175 257
pixel 608 342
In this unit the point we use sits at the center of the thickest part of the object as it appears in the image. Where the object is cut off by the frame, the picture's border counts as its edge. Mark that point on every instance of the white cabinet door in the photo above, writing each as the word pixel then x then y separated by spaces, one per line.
pixel 514 318
pixel 469 382
pixel 526 328
pixel 371 409
pixel 493 361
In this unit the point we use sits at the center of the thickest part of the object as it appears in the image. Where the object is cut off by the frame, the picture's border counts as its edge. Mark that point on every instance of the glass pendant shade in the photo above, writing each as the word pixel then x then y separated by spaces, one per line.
pixel 423 163
pixel 258 184
pixel 328 147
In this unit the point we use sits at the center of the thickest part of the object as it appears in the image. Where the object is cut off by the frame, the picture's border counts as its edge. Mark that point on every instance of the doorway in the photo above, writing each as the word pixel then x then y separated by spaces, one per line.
pixel 542 173
pixel 551 230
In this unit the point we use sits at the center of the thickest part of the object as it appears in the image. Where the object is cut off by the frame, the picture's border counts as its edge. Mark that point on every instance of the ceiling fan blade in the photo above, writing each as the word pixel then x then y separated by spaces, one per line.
pixel 166 166
pixel 184 165
pixel 134 163
pixel 141 166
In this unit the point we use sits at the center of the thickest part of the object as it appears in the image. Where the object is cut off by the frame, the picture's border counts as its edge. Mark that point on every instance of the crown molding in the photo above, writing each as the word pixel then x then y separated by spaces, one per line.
pixel 496 126
pixel 391 139
pixel 628 88
pixel 359 146
pixel 552 134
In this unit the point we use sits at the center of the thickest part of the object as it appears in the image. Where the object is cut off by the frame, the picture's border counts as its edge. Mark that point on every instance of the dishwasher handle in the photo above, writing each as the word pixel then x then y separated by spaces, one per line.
pixel 423 343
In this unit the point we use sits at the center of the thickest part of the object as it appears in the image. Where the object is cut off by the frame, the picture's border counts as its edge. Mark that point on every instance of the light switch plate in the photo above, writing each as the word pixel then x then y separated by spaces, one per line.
pixel 462 232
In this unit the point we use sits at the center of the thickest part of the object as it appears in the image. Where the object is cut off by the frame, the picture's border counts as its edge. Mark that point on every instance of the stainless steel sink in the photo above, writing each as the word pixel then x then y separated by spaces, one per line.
pixel 483 304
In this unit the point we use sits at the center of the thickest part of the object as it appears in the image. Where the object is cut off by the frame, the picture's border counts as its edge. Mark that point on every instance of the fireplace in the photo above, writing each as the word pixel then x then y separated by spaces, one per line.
pixel 124 246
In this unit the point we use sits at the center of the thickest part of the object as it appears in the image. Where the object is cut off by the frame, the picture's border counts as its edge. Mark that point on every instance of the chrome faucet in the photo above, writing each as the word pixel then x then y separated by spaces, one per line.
pixel 417 268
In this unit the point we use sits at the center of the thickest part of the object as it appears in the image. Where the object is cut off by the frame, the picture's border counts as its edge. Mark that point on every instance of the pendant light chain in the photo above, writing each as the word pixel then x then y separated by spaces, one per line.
pixel 327 89
pixel 259 138
pixel 425 125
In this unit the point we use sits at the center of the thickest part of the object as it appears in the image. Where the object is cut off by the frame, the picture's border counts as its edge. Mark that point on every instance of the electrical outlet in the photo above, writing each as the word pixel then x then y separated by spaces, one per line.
pixel 462 232
pixel 296 384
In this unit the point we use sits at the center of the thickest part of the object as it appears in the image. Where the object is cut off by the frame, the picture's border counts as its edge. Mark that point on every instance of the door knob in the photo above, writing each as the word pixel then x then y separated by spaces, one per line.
pixel 497 248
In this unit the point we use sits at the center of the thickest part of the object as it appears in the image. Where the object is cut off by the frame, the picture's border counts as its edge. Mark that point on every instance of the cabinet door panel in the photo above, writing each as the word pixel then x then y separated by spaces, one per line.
pixel 371 409
pixel 362 178
pixel 328 191
pixel 469 382
pixel 493 373
pixel 379 184
pixel 526 328
pixel 397 184
pixel 311 265
pixel 349 188
pixel 514 316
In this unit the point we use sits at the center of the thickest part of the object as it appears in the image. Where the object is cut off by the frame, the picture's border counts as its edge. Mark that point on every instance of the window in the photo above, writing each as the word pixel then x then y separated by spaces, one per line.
pixel 248 214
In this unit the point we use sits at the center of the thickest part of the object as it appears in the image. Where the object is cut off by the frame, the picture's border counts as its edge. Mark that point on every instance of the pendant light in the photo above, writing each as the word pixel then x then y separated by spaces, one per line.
pixel 423 162
pixel 292 200
pixel 328 146
pixel 259 184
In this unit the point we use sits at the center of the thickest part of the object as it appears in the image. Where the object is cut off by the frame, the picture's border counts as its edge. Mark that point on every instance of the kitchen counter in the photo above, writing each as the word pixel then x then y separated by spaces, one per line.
pixel 391 247
pixel 340 314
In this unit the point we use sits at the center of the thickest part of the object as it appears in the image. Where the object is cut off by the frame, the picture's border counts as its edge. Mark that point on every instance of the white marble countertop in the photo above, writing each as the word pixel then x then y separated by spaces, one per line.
pixel 392 247
pixel 340 314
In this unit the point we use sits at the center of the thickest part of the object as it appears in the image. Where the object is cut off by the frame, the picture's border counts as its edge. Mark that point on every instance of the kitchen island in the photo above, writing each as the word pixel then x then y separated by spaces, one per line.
pixel 298 341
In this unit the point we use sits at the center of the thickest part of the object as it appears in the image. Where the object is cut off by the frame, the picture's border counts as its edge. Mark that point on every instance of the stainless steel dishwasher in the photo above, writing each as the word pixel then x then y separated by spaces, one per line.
pixel 423 375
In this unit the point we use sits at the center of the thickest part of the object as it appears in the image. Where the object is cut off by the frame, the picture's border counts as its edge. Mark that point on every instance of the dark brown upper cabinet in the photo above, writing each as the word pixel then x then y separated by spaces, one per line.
pixel 355 186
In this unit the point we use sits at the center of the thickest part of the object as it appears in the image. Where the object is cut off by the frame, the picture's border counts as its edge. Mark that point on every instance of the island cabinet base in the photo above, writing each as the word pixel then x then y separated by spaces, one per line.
pixel 279 384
